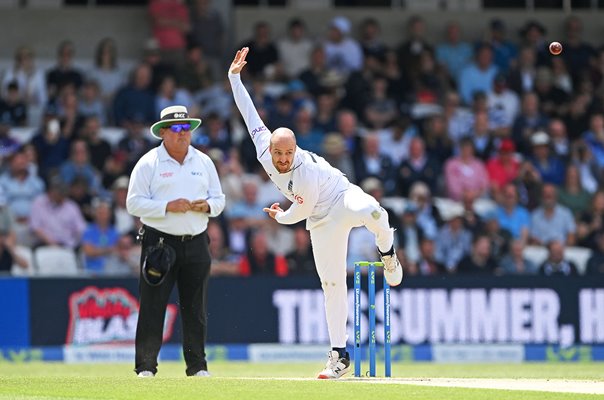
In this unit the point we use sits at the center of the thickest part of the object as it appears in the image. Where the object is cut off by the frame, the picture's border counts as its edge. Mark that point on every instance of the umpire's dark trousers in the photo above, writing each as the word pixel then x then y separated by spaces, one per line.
pixel 190 272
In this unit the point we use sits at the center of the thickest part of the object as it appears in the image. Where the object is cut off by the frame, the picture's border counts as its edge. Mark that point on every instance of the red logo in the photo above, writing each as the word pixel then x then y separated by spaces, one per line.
pixel 166 174
pixel 299 199
pixel 107 316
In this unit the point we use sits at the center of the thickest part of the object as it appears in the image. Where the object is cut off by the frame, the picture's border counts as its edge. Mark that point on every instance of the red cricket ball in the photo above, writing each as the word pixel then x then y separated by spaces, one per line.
pixel 555 48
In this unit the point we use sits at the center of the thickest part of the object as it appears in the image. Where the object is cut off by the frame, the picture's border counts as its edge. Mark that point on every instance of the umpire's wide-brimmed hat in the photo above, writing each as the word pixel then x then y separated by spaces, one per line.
pixel 173 114
pixel 158 261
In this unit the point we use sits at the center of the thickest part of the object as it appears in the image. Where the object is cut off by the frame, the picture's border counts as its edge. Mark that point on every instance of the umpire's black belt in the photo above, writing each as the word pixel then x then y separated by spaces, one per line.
pixel 179 238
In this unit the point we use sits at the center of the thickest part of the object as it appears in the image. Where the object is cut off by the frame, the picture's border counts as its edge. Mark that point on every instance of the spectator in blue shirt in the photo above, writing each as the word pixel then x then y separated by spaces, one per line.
pixel 512 216
pixel 100 238
pixel 454 54
pixel 478 76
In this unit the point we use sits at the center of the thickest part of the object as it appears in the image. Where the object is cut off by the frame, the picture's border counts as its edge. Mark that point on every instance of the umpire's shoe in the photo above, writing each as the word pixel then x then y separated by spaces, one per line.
pixel 145 374
pixel 336 366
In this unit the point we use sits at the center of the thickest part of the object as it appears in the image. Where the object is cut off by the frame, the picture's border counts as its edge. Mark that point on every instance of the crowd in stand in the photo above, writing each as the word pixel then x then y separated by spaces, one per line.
pixel 495 119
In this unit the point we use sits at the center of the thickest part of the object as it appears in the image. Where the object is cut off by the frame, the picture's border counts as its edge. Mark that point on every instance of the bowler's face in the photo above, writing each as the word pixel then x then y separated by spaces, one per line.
pixel 282 156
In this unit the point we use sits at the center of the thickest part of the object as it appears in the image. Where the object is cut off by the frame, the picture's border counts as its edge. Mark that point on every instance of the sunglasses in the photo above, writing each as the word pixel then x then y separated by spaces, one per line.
pixel 176 128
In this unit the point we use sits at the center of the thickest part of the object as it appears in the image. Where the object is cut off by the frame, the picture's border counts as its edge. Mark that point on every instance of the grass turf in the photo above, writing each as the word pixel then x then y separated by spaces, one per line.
pixel 231 380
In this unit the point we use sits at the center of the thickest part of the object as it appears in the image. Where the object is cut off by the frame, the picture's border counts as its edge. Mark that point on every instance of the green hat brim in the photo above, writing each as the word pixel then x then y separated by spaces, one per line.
pixel 195 123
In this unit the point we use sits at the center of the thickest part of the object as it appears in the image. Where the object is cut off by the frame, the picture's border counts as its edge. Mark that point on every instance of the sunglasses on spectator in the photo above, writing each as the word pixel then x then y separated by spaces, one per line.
pixel 176 128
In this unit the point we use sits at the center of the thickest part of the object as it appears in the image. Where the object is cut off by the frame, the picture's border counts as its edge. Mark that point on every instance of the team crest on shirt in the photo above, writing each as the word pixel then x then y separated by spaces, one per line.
pixel 376 214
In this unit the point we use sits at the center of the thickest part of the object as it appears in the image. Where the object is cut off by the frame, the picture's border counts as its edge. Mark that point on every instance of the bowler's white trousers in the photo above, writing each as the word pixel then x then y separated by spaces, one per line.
pixel 329 238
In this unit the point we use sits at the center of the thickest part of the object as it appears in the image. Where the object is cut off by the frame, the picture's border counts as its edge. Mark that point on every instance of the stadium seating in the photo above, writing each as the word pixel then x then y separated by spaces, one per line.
pixel 28 255
pixel 56 261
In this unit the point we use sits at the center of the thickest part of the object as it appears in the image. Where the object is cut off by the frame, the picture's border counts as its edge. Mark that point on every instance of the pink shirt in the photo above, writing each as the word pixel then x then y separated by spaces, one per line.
pixel 461 177
pixel 64 223
pixel 169 37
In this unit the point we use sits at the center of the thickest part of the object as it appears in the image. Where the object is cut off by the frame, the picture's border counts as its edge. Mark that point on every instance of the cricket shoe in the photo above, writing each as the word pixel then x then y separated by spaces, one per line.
pixel 393 271
pixel 202 373
pixel 336 366
pixel 145 374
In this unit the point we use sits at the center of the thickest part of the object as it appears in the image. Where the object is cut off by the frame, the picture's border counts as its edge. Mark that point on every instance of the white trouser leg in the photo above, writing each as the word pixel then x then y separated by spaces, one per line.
pixel 330 247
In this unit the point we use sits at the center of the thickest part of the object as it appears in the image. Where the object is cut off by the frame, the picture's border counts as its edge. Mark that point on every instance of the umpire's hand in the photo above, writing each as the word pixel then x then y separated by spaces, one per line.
pixel 178 206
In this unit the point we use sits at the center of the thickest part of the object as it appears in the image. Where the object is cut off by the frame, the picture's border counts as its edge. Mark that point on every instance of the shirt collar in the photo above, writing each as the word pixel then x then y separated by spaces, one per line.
pixel 164 156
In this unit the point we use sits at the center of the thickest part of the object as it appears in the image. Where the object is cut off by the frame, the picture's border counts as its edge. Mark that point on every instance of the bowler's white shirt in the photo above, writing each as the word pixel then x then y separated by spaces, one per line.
pixel 312 185
pixel 157 179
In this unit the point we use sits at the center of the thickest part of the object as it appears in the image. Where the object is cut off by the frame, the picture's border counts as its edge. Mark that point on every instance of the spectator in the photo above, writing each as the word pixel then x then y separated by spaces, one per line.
pixel 135 100
pixel 100 239
pixel 8 242
pixel 550 167
pixel 594 138
pixel 223 261
pixel 395 140
pixel 372 163
pixel 499 237
pixel 169 94
pixel 512 216
pixel 8 145
pixel 315 76
pixel 64 73
pixel 380 109
pixel 249 208
pixel 124 221
pixel 465 173
pixel 263 49
pixel 79 165
pixel 170 24
pixel 427 264
pixel 126 259
pixel 556 264
pixel 552 221
pixel 106 71
pixel 135 141
pixel 56 220
pixel 529 186
pixel 514 263
pixel 214 135
pixel 98 148
pixel 577 53
pixel 70 117
pixel 20 187
pixel 300 261
pixel 504 51
pixel 30 80
pixel 560 142
pixel 294 49
pixel 307 136
pixel 533 35
pixel 410 234
pixel 258 260
pixel 453 242
pixel 408 53
pixel 438 143
pixel 209 33
pixel 572 195
pixel 50 145
pixel 478 76
pixel 325 112
pixel 595 264
pixel 529 121
pixel 196 75
pixel 342 52
pixel 428 215
pixel 590 174
pixel 12 107
pixel 504 167
pixel 472 221
pixel 577 119
pixel 591 221
pixel 336 154
pixel 419 167
pixel 521 77
pixel 504 106
pixel 91 102
pixel 453 53
pixel 479 261
pixel 482 136
pixel 371 40
pixel 459 119
pixel 553 100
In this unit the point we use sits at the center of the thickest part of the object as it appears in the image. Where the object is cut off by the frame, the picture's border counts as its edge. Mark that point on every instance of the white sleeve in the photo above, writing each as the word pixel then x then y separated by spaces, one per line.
pixel 139 202
pixel 258 131
pixel 216 198
pixel 303 204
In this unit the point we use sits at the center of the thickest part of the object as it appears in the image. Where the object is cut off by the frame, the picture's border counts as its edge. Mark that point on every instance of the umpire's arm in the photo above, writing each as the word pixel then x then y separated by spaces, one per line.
pixel 139 202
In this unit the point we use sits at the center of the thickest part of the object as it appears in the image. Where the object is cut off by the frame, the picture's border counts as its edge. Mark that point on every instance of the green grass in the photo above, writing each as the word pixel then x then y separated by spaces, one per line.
pixel 232 381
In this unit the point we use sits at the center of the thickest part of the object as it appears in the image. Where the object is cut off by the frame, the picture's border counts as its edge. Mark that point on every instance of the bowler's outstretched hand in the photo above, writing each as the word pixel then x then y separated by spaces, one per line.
pixel 239 61
pixel 273 210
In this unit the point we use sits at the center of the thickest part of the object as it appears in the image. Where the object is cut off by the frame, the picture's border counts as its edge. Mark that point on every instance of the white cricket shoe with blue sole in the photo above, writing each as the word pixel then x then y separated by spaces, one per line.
pixel 336 366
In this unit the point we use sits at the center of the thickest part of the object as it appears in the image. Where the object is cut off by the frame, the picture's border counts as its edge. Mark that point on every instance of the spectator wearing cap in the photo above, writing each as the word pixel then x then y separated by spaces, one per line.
pixel 511 215
pixel 263 49
pixel 552 221
pixel 294 49
pixel 453 241
pixel 503 168
pixel 595 263
pixel 549 166
pixel 503 105
pixel 466 172
pixel 453 53
pixel 504 50
pixel 556 264
pixel 20 186
pixel 478 76
pixel 342 52
pixel 514 262
pixel 99 240
pixel 55 219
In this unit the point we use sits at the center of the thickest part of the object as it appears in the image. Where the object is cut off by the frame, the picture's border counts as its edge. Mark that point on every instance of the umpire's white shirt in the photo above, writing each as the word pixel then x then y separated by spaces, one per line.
pixel 157 179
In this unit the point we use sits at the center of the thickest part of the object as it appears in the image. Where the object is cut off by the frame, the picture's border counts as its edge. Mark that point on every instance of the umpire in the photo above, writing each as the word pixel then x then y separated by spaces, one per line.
pixel 174 189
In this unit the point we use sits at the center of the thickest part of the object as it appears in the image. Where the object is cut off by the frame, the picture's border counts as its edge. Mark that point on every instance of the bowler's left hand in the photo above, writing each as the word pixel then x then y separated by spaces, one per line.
pixel 273 210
